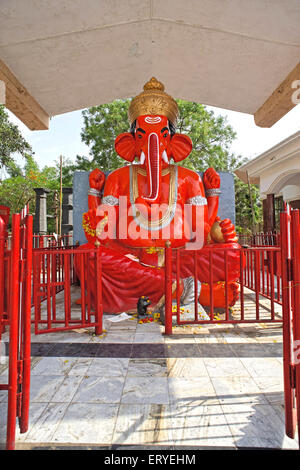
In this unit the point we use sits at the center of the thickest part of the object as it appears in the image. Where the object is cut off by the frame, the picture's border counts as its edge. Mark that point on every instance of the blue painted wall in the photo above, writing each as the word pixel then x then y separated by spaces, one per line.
pixel 80 200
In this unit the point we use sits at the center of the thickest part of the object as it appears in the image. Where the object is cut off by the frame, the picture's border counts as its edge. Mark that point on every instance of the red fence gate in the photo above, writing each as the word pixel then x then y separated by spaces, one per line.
pixel 15 310
pixel 290 252
pixel 53 272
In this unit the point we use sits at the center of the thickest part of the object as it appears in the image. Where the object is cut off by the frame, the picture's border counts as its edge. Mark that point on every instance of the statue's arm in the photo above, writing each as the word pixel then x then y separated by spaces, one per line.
pixel 220 231
pixel 96 181
pixel 211 181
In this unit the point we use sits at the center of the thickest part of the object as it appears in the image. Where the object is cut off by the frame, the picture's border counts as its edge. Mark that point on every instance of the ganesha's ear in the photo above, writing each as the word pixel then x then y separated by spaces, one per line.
pixel 180 147
pixel 125 146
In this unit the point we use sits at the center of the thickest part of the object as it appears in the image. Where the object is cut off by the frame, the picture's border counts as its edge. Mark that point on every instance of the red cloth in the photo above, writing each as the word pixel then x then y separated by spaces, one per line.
pixel 187 263
pixel 125 281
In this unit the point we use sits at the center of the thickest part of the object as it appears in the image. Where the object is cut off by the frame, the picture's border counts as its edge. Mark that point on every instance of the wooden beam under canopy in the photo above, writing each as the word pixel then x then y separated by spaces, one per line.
pixel 19 101
pixel 281 101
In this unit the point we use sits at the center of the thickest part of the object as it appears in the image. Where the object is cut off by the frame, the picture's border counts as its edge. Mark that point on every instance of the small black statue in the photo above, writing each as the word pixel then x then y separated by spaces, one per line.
pixel 142 305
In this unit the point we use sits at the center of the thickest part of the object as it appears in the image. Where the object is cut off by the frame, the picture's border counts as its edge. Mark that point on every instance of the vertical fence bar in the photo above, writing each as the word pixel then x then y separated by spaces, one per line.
pixel 296 306
pixel 177 285
pixel 47 257
pixel 54 287
pixel 99 302
pixel 196 286
pixel 24 419
pixel 242 284
pixel 226 286
pixel 257 282
pixel 2 262
pixel 271 259
pixel 67 290
pixel 13 334
pixel 211 290
pixel 168 289
pixel 290 414
pixel 82 285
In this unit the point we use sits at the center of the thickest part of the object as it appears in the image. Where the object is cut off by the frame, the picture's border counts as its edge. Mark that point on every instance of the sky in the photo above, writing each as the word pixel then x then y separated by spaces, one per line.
pixel 63 136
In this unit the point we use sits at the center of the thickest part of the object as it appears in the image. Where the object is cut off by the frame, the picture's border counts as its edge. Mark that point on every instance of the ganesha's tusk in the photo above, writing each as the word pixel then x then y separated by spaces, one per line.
pixel 165 157
pixel 143 158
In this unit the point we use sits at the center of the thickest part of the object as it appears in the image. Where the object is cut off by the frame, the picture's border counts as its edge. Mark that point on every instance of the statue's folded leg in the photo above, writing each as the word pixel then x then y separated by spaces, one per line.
pixel 125 281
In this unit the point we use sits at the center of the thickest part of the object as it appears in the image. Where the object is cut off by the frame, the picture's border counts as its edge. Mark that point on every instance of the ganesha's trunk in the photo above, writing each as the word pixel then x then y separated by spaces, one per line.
pixel 153 170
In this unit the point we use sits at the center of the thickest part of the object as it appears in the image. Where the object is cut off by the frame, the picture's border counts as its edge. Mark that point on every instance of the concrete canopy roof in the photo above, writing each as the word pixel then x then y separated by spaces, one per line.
pixel 63 55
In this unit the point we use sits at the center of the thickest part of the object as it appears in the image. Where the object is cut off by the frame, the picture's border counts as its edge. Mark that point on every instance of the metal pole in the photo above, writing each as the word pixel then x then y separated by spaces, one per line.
pixel 60 196
pixel 13 334
pixel 168 288
pixel 290 415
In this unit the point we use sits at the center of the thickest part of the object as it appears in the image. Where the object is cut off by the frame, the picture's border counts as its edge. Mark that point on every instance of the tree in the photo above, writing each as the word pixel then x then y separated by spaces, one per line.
pixel 102 124
pixel 11 142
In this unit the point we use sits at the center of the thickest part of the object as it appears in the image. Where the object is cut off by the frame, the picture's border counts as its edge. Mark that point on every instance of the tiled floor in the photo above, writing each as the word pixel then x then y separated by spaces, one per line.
pixel 208 386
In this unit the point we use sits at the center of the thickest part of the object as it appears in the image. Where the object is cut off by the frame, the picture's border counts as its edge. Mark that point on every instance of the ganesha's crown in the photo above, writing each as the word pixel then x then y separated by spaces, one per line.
pixel 153 100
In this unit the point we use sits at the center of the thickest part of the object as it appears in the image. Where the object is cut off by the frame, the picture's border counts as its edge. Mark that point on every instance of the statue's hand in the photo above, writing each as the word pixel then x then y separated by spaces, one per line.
pixel 97 179
pixel 211 179
pixel 228 231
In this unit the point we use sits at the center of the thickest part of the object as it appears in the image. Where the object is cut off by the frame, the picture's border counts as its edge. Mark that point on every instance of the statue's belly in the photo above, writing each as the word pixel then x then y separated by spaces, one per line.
pixel 139 231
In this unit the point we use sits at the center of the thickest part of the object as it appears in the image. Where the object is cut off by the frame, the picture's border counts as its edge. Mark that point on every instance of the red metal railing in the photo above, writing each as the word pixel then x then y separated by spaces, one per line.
pixel 262 272
pixel 53 272
pixel 271 238
pixel 257 273
pixel 51 241
pixel 15 291
pixel 45 241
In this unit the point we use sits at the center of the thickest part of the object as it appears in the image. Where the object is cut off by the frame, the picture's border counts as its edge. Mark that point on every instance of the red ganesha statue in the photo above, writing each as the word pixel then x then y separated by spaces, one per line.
pixel 138 207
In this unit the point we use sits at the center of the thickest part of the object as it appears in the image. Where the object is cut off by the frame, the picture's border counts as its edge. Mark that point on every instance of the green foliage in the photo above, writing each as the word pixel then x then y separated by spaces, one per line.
pixel 11 142
pixel 102 124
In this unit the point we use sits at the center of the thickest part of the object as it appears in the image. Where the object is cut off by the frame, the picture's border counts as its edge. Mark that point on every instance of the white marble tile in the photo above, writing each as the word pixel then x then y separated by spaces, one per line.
pixel 145 390
pixel 147 368
pixel 224 367
pixel 44 427
pixel 95 389
pixel 148 338
pixel 43 387
pixel 186 367
pixel 53 366
pixel 255 425
pixel 153 327
pixel 237 389
pixel 263 366
pixel 142 424
pixel 4 381
pixel 201 425
pixel 120 337
pixel 36 410
pixel 67 389
pixel 272 388
pixel 81 366
pixel 108 367
pixel 3 421
pixel 87 423
pixel 191 391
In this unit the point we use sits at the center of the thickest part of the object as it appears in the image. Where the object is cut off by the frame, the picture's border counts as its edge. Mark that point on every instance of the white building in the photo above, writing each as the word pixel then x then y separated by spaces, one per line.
pixel 277 172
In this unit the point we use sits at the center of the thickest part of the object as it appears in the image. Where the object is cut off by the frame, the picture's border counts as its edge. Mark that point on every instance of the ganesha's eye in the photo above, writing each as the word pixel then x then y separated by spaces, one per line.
pixel 165 131
pixel 140 132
